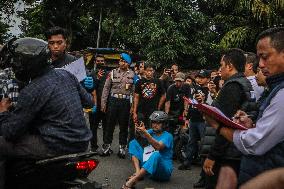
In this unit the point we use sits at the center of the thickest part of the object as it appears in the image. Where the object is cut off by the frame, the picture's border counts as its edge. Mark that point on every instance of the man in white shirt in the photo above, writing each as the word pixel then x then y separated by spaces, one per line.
pixel 250 72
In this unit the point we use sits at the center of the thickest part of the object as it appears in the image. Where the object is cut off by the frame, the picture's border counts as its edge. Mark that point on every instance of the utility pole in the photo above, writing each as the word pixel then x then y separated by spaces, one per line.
pixel 99 30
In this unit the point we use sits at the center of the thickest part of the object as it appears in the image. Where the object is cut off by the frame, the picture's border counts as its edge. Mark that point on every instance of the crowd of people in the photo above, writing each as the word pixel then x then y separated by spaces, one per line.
pixel 148 109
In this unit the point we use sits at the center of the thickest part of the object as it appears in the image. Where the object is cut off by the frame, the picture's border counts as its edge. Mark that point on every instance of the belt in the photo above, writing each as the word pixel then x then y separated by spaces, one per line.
pixel 122 96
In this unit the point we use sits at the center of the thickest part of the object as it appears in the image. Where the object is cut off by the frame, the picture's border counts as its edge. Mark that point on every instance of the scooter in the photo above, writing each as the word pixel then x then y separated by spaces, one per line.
pixel 64 172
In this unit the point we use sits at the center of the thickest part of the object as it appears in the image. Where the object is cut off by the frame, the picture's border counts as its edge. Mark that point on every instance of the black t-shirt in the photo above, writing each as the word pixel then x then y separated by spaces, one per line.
pixel 175 96
pixel 150 92
pixel 64 60
pixel 193 113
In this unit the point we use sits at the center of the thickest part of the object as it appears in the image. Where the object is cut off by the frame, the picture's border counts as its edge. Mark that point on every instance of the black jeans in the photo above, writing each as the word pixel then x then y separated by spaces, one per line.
pixel 94 120
pixel 118 112
pixel 29 146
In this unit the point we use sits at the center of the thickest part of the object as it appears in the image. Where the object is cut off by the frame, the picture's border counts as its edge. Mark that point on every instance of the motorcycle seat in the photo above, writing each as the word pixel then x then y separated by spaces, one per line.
pixel 67 156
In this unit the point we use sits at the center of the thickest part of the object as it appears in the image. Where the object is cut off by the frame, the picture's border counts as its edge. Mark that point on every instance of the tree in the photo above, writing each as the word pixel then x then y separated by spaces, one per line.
pixel 239 22
pixel 165 32
pixel 6 7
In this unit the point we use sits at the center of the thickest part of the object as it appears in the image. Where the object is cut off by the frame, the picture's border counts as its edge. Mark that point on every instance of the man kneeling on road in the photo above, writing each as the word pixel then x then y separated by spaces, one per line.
pixel 156 158
pixel 48 118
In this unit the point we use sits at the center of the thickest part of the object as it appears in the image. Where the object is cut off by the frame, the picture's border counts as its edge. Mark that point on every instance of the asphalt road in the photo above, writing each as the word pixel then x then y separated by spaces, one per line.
pixel 117 170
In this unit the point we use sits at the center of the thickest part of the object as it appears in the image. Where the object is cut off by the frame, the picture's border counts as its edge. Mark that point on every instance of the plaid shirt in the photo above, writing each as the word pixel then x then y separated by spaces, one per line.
pixel 51 106
pixel 8 86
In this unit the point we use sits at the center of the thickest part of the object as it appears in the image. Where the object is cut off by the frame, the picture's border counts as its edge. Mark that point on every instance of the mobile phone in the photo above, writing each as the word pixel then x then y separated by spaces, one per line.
pixel 139 124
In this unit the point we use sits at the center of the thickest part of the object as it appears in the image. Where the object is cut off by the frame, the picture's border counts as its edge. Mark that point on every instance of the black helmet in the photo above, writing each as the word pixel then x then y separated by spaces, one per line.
pixel 27 56
pixel 159 116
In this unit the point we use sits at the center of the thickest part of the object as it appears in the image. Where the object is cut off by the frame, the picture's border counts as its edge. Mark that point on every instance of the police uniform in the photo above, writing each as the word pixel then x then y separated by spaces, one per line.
pixel 116 97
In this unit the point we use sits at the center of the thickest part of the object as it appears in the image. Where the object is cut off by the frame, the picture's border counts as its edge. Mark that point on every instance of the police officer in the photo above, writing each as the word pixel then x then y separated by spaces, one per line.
pixel 116 102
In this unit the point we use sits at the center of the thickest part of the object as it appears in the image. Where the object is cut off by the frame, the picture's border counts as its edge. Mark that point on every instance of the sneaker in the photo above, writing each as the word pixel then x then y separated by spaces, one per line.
pixel 184 167
pixel 200 183
pixel 122 151
pixel 100 126
pixel 106 150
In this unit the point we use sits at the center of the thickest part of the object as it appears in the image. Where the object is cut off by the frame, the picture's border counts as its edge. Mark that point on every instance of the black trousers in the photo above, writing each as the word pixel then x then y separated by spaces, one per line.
pixel 30 146
pixel 118 111
pixel 94 120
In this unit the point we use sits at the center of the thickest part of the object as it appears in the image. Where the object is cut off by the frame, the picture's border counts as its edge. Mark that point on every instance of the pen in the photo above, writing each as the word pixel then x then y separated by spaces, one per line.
pixel 238 117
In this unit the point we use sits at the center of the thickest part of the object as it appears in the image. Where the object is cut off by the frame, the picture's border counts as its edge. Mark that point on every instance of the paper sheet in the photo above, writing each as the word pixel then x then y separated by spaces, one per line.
pixel 77 68
pixel 148 151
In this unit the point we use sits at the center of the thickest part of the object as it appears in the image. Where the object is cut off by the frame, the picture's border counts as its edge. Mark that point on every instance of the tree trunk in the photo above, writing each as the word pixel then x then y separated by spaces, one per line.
pixel 99 30
pixel 110 37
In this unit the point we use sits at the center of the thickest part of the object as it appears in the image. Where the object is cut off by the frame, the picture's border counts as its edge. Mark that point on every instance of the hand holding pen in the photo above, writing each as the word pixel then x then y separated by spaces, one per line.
pixel 244 119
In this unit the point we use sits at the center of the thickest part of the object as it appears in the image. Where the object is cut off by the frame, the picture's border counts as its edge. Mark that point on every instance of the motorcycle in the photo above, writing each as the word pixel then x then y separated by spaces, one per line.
pixel 64 172
pixel 181 138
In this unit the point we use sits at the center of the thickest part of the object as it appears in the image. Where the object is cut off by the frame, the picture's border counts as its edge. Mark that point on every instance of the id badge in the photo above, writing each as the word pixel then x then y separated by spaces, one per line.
pixel 127 86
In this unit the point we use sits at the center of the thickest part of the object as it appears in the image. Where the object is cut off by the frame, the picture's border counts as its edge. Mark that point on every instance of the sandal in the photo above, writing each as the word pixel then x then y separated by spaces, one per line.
pixel 134 176
pixel 127 187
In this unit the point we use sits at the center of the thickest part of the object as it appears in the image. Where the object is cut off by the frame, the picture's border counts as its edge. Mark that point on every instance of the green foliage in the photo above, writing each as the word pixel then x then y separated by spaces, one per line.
pixel 170 32
pixel 238 37
pixel 190 33
pixel 3 33
pixel 243 20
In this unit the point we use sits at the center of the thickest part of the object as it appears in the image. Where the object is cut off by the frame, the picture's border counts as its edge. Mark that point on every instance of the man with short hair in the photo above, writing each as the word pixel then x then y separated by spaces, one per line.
pixel 57 39
pixel 116 103
pixel 148 96
pixel 168 77
pixel 99 75
pixel 262 144
pixel 202 79
pixel 223 152
pixel 174 105
pixel 250 72
pixel 197 124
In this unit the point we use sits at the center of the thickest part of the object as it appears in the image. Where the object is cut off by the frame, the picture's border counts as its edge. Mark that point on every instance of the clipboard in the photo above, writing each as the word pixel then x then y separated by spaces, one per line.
pixel 215 113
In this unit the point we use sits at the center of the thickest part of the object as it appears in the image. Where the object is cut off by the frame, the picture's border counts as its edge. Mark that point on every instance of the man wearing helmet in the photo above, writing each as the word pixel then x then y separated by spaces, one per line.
pixel 48 119
pixel 156 158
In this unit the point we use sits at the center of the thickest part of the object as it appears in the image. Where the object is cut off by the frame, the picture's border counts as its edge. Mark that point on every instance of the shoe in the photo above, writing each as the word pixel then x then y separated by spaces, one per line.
pixel 106 150
pixel 100 126
pixel 95 149
pixel 199 184
pixel 184 167
pixel 122 151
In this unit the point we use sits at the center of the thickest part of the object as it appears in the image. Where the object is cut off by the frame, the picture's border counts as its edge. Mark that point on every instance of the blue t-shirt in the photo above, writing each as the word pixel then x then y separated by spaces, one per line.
pixel 167 139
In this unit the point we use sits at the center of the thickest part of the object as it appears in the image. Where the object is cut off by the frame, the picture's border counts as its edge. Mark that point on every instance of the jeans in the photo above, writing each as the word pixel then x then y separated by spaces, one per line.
pixel 196 132
pixel 95 119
